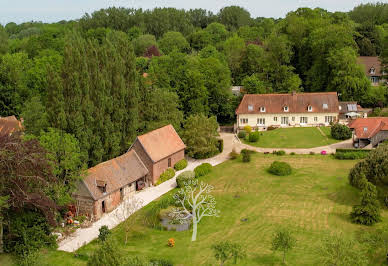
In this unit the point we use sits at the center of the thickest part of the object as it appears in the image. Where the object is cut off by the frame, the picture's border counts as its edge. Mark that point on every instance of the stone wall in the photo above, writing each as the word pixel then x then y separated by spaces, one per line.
pixel 379 137
pixel 111 202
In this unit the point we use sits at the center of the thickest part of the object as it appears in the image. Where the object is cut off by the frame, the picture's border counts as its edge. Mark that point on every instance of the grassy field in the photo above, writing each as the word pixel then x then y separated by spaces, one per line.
pixel 312 202
pixel 295 137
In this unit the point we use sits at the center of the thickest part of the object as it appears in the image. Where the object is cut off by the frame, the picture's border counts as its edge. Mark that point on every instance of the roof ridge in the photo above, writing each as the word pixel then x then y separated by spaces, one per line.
pixel 155 130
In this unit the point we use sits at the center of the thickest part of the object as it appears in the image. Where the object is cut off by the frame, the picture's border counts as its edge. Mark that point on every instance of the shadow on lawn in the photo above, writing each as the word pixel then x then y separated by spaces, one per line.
pixel 345 195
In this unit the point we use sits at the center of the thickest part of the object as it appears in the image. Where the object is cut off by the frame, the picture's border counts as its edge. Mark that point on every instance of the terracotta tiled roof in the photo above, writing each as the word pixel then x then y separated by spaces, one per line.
pixel 366 128
pixel 115 173
pixel 370 62
pixel 161 143
pixel 322 102
pixel 9 124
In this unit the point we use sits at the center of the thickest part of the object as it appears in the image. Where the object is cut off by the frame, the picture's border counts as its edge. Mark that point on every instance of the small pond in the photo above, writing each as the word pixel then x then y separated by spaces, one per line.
pixel 170 226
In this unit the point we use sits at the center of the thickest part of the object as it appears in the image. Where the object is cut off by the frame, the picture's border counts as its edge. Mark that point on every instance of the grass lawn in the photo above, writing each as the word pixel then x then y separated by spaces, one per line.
pixel 312 202
pixel 294 137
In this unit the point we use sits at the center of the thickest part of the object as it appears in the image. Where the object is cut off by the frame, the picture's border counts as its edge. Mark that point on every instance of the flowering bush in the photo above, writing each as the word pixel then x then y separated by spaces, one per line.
pixel 323 152
pixel 171 242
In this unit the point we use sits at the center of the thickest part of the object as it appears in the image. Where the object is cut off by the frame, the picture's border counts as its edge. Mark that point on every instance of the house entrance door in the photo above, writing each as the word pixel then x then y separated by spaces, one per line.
pixel 284 121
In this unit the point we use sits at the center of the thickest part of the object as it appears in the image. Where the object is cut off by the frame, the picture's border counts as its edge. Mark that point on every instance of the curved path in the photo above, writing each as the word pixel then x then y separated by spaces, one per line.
pixel 82 236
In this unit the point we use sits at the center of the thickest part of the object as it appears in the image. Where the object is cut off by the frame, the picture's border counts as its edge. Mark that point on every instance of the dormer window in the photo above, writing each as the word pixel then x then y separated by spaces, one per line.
pixel 285 108
pixel 262 109
pixel 365 129
pixel 340 107
pixel 372 71
pixel 101 185
pixel 250 107
pixel 325 106
pixel 310 108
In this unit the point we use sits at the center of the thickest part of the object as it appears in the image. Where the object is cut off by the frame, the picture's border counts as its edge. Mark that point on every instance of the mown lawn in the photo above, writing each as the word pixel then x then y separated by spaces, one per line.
pixel 295 137
pixel 312 202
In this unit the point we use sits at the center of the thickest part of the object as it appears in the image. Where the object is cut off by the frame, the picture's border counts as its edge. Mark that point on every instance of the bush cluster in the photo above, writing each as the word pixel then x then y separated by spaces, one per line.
pixel 248 129
pixel 280 168
pixel 246 155
pixel 184 177
pixel 202 169
pixel 168 174
pixel 182 164
pixel 254 136
pixel 280 153
pixel 242 134
pixel 340 132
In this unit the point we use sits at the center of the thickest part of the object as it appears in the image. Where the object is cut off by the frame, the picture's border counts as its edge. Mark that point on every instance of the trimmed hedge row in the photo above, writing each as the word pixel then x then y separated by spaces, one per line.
pixel 182 164
pixel 202 169
pixel 350 155
pixel 352 150
pixel 168 174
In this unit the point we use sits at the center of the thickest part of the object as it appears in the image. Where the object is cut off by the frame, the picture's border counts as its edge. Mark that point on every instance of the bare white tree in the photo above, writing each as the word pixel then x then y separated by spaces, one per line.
pixel 195 203
pixel 126 209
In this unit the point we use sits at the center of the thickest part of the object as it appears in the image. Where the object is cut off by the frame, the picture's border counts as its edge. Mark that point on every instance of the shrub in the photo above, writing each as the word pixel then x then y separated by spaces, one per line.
pixel 246 155
pixel 106 254
pixel 26 233
pixel 271 128
pixel 248 129
pixel 292 153
pixel 184 177
pixel 280 168
pixel 202 169
pixel 312 153
pixel 254 136
pixel 104 233
pixel 279 153
pixel 368 212
pixel 340 132
pixel 233 154
pixel 168 174
pixel 220 145
pixel 242 134
pixel 171 242
pixel 182 164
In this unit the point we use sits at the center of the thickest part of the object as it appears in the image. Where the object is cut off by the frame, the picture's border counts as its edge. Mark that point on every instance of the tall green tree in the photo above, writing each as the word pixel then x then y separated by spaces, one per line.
pixel 99 106
pixel 234 17
pixel 35 116
pixel 174 41
pixel 3 40
pixel 234 49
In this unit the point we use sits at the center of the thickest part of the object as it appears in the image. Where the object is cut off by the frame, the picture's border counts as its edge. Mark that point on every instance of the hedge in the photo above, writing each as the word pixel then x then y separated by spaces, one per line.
pixel 340 132
pixel 254 136
pixel 168 174
pixel 202 169
pixel 242 134
pixel 246 155
pixel 350 155
pixel 220 145
pixel 184 177
pixel 352 150
pixel 280 168
pixel 280 153
pixel 182 164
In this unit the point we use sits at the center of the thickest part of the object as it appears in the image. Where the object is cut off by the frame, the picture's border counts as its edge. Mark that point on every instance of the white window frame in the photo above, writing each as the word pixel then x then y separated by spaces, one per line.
pixel 284 120
pixel 286 109
pixel 275 118
pixel 250 107
pixel 261 121
pixel 325 106
pixel 304 120
pixel 315 118
pixel 262 109
pixel 329 119
pixel 243 120
pixel 310 108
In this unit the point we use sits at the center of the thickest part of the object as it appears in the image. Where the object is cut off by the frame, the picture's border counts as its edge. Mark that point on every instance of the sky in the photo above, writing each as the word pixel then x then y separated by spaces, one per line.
pixel 55 10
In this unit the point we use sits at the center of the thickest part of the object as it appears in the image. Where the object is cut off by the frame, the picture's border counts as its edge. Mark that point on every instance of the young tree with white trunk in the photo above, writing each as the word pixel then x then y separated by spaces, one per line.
pixel 195 203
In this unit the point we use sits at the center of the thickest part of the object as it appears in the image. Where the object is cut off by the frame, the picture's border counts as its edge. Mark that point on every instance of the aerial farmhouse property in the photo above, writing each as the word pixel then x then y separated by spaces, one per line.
pixel 261 111
pixel 159 150
pixel 107 184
